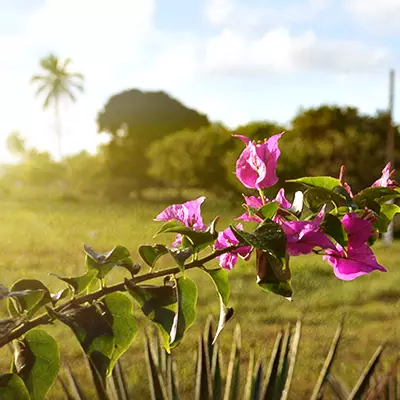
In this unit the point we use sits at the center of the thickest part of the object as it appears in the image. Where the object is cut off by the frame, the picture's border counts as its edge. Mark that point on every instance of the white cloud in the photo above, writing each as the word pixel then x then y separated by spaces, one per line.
pixel 279 51
pixel 241 15
pixel 175 65
pixel 381 15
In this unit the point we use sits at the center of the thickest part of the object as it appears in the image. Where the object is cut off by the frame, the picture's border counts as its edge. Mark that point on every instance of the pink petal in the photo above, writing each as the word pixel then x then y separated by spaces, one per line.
pixel 245 139
pixel 176 211
pixel 282 200
pixel 194 213
pixel 365 255
pixel 348 189
pixel 228 260
pixel 358 229
pixel 385 180
pixel 178 240
pixel 253 201
pixel 244 171
pixel 359 261
pixel 247 218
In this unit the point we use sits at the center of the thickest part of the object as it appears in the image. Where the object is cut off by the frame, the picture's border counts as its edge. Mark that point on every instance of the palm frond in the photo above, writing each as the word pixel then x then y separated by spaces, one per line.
pixel 41 88
pixel 36 78
pixel 76 85
pixel 77 75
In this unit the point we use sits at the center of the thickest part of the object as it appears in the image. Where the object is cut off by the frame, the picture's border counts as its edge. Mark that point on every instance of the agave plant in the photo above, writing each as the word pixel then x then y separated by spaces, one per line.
pixel 262 381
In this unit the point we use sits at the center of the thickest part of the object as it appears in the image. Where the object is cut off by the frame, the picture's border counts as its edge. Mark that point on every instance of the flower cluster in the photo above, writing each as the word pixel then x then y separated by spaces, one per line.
pixel 350 256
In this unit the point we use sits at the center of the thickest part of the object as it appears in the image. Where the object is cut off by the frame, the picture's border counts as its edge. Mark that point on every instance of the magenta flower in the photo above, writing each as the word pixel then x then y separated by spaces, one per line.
pixel 226 239
pixel 188 213
pixel 303 236
pixel 256 166
pixel 385 180
pixel 359 258
pixel 256 202
pixel 356 262
pixel 358 229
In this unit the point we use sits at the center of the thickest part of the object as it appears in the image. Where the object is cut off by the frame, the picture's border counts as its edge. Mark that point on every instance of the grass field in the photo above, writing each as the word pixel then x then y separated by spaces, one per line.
pixel 38 237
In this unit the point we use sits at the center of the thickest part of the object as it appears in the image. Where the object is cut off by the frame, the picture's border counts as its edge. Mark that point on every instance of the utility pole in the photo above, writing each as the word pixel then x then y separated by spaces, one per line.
pixel 388 236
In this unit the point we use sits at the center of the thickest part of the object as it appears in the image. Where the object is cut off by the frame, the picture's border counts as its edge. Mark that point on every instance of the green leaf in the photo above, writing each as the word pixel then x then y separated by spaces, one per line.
pixel 323 376
pixel 233 374
pixel 269 210
pixel 272 378
pixel 186 315
pixel 325 182
pixel 361 387
pixel 387 213
pixel 61 294
pixel 268 236
pixel 118 253
pixel 378 194
pixel 93 332
pixel 221 281
pixel 150 254
pixel 181 255
pixel 104 263
pixel 314 198
pixel 333 227
pixel 340 190
pixel 159 304
pixel 173 224
pixel 273 275
pixel 123 324
pixel 37 362
pixel 158 390
pixel 12 387
pixel 78 284
pixel 35 295
pixel 213 226
pixel 197 238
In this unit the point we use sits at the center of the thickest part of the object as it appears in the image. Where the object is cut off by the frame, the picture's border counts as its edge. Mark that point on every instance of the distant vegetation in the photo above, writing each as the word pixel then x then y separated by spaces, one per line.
pixel 153 136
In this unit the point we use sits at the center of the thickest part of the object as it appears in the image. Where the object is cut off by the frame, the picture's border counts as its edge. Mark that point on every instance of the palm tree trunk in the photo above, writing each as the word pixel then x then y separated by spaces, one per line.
pixel 58 126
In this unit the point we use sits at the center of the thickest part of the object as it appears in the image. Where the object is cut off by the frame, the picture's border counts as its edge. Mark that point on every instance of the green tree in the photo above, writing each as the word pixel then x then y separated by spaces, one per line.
pixel 16 143
pixel 192 160
pixel 321 139
pixel 57 82
pixel 85 174
pixel 134 119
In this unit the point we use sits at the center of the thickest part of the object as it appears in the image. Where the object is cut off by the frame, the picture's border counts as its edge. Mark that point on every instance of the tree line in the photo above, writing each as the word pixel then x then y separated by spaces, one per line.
pixel 156 141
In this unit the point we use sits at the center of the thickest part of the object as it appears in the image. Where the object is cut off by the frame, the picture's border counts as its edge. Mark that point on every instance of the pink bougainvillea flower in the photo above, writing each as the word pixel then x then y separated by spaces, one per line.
pixel 359 258
pixel 256 166
pixel 226 239
pixel 358 229
pixel 303 236
pixel 256 202
pixel 188 213
pixel 385 180
pixel 355 262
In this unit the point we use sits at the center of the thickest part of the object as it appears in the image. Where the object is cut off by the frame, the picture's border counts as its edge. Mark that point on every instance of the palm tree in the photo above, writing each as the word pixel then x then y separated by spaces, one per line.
pixel 57 82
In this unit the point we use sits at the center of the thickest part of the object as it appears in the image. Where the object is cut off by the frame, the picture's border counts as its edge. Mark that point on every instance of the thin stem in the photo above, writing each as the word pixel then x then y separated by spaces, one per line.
pixel 262 196
pixel 45 319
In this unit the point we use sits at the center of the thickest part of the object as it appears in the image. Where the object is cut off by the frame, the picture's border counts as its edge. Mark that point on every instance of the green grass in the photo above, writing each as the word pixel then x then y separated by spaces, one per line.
pixel 38 237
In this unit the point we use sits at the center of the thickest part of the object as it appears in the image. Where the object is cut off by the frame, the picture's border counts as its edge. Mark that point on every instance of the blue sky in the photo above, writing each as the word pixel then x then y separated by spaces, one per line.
pixel 235 60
